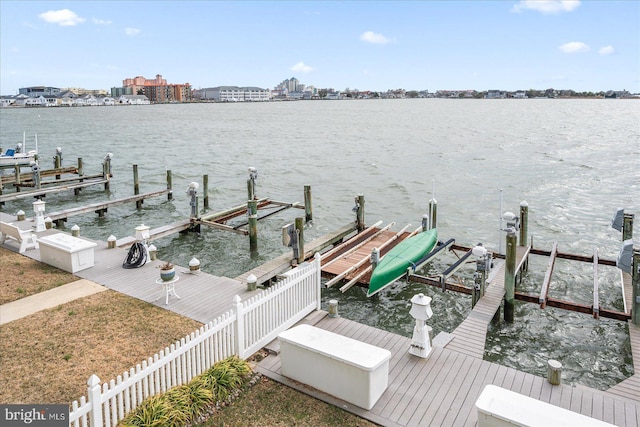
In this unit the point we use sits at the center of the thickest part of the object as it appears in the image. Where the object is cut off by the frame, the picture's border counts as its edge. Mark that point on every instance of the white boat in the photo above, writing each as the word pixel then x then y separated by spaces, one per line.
pixel 19 155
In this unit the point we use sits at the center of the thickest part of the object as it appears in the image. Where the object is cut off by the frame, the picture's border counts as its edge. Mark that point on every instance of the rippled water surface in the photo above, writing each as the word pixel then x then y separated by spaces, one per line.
pixel 573 161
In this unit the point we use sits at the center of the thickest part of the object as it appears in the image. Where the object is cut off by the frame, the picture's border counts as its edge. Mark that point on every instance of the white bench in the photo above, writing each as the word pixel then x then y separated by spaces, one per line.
pixel 26 238
pixel 348 369
pixel 499 407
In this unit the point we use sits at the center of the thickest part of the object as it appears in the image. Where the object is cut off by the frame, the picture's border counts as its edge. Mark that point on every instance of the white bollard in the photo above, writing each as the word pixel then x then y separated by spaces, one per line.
pixel 554 372
pixel 333 308
pixel 75 231
pixel 111 242
pixel 153 252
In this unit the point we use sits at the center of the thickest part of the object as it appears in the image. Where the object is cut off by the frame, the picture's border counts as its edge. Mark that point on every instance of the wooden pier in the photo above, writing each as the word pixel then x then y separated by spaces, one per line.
pixel 439 390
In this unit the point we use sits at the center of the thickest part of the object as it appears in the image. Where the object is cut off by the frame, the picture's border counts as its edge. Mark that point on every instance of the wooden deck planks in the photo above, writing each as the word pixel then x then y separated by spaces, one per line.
pixel 443 388
pixel 439 390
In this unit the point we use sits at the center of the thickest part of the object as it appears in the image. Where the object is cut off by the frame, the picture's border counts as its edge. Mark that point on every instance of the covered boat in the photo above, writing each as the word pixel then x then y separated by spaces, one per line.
pixel 394 263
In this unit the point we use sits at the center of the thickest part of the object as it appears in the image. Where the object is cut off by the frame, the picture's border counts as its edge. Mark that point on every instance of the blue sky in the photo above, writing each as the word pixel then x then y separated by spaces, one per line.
pixel 433 45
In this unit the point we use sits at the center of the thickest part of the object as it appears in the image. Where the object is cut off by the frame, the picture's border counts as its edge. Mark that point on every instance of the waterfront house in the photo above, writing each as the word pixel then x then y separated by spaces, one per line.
pixel 133 100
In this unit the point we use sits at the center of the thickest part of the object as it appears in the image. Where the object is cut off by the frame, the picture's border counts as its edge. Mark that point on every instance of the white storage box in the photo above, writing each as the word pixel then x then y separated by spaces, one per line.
pixel 498 407
pixel 348 369
pixel 66 252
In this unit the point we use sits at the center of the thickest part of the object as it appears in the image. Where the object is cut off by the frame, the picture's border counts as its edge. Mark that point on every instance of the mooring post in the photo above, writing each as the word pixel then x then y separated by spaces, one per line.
pixel 509 276
pixel 250 195
pixel 433 213
pixel 251 183
pixel 308 210
pixel 205 190
pixel 300 231
pixel 57 160
pixel 360 212
pixel 17 173
pixel 192 191
pixel 524 221
pixel 106 170
pixel 635 280
pixel 169 185
pixel 252 210
pixel 76 191
pixel 136 186
pixel 627 226
pixel 35 168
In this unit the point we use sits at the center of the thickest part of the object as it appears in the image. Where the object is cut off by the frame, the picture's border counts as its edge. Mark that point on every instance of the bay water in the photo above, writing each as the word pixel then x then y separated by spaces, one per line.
pixel 574 162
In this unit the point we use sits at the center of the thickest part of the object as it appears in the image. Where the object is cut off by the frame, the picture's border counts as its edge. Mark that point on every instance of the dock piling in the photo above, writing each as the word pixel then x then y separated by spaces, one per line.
pixel 433 213
pixel 524 222
pixel 252 211
pixel 192 191
pixel 205 191
pixel 300 232
pixel 308 210
pixel 57 160
pixel 76 191
pixel 136 186
pixel 251 183
pixel 359 209
pixel 509 276
pixel 627 226
pixel 635 285
pixel 169 185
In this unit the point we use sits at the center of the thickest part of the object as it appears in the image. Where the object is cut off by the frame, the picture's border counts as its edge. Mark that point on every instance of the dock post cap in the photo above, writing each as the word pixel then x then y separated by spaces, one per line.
pixel 524 204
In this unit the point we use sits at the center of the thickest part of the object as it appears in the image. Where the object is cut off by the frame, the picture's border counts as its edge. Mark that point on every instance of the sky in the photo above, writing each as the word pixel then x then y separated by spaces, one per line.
pixel 363 45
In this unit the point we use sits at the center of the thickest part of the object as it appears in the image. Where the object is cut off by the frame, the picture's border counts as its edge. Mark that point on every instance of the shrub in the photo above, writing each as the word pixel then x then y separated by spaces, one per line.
pixel 183 404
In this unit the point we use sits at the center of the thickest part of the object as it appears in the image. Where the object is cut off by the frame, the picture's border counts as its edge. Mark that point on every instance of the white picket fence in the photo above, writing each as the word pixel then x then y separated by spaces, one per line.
pixel 242 331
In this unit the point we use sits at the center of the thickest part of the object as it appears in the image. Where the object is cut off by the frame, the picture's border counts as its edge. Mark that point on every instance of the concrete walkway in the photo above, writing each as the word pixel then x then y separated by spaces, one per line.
pixel 48 299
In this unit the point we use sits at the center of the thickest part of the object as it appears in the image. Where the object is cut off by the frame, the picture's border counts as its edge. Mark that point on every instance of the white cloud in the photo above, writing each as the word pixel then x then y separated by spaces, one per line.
pixel 606 50
pixel 300 67
pixel 131 31
pixel 63 17
pixel 375 38
pixel 101 21
pixel 574 47
pixel 546 6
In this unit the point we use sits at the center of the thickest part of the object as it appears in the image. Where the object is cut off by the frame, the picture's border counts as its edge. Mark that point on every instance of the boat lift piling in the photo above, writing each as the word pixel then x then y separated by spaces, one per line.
pixel 359 209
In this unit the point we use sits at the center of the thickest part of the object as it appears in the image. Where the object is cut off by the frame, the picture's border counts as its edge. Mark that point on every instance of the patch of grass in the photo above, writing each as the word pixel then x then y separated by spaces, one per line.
pixel 108 334
pixel 269 403
pixel 22 276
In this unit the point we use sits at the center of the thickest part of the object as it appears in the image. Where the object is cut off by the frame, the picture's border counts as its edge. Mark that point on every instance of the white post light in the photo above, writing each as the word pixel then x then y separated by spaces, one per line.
pixel 38 208
pixel 142 233
pixel 421 311
pixel 252 282
pixel 194 266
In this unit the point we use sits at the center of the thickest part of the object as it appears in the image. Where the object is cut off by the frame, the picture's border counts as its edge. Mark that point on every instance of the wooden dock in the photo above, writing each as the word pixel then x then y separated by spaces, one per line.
pixel 442 389
pixel 102 207
pixel 439 390
pixel 470 336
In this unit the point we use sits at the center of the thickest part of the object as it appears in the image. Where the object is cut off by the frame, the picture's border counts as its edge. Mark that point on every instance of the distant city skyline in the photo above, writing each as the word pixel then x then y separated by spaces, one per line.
pixel 369 46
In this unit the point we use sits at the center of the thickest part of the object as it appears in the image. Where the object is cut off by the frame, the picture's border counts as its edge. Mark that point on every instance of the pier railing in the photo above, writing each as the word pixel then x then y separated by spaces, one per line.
pixel 242 331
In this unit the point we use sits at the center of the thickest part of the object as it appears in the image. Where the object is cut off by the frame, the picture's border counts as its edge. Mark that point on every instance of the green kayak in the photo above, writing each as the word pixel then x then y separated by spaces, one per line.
pixel 394 264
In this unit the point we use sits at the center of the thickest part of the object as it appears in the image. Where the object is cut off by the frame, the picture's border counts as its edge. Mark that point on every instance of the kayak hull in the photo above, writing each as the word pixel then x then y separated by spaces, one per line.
pixel 395 263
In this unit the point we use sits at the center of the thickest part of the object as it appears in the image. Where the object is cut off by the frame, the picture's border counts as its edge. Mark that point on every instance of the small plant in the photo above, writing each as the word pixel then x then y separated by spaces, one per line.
pixel 166 266
pixel 20 290
pixel 67 357
pixel 71 313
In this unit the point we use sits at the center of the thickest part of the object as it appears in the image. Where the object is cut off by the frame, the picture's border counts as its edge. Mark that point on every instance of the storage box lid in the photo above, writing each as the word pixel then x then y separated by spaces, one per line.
pixel 66 242
pixel 357 353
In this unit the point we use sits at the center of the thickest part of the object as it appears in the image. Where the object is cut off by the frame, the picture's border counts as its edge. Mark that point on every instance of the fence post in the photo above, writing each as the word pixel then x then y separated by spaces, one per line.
pixel 239 326
pixel 318 279
pixel 95 400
